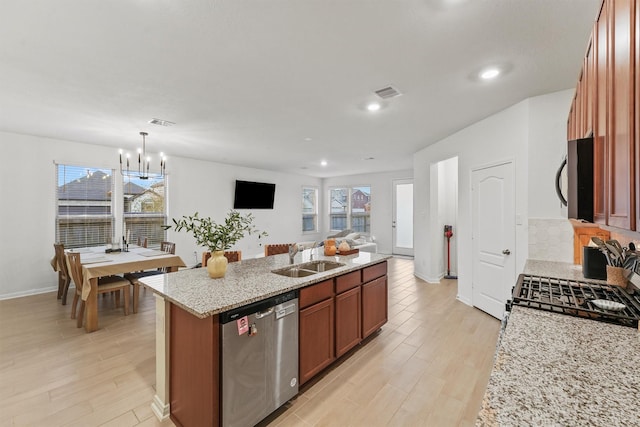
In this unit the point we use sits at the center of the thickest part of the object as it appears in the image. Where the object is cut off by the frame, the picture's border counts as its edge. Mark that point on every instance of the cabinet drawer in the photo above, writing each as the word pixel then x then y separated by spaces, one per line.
pixel 375 271
pixel 315 293
pixel 348 281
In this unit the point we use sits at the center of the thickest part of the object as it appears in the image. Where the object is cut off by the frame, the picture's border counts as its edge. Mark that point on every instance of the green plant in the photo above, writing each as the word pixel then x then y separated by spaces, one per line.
pixel 214 236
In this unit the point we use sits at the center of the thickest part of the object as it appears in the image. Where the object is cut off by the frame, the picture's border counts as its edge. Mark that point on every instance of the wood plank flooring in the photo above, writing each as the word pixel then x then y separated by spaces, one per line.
pixel 428 366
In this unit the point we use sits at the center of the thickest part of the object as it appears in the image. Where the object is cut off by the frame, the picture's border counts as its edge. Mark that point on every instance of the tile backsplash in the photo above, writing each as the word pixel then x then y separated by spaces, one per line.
pixel 550 239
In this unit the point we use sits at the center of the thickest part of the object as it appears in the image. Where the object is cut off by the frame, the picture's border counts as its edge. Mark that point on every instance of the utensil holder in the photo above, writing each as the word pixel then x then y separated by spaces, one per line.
pixel 616 276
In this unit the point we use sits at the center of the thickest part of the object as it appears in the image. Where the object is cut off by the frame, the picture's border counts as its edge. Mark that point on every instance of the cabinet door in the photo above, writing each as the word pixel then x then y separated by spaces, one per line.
pixel 637 113
pixel 588 89
pixel 194 379
pixel 348 320
pixel 374 305
pixel 601 44
pixel 316 328
pixel 621 156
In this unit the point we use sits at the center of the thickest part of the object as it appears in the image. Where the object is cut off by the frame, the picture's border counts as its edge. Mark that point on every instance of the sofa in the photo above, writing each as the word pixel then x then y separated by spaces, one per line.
pixel 355 240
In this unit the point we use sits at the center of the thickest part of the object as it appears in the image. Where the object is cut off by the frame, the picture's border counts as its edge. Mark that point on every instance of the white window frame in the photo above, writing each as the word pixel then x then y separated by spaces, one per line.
pixel 349 213
pixel 314 215
pixel 106 218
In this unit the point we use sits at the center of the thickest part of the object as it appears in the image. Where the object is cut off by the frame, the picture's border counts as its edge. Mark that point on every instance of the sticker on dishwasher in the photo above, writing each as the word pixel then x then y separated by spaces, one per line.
pixel 243 325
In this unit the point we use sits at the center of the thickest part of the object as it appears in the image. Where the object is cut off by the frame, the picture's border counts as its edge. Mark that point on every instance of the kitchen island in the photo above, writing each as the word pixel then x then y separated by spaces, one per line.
pixel 188 330
pixel 555 369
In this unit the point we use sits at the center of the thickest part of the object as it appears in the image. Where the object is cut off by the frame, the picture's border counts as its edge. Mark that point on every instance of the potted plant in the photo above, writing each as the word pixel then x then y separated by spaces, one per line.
pixel 217 237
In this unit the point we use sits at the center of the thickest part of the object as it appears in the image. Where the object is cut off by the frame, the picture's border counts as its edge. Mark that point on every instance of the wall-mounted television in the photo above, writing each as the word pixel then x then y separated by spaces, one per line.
pixel 254 195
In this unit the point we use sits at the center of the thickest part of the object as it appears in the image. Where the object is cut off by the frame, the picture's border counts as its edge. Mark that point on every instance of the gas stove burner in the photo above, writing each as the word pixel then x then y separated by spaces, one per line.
pixel 598 301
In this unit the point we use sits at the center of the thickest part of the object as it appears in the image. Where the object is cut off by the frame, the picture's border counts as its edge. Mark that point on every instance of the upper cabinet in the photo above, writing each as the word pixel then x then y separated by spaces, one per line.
pixel 606 104
pixel 621 147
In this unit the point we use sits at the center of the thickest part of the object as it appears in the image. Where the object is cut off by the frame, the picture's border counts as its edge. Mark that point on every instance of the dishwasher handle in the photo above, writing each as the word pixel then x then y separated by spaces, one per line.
pixel 265 313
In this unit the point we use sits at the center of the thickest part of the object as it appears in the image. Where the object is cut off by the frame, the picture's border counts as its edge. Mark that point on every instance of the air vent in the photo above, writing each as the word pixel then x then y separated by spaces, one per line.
pixel 388 92
pixel 161 122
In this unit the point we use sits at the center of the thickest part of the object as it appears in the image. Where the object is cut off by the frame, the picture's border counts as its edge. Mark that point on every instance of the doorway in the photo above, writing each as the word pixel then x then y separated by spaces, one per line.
pixel 402 224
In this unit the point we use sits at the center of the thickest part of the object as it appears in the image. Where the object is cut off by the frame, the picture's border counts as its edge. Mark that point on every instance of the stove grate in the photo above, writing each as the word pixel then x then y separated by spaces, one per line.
pixel 574 297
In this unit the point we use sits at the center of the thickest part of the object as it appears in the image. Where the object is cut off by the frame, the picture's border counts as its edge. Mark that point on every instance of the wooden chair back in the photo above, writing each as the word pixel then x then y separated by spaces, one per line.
pixel 168 247
pixel 75 269
pixel 277 248
pixel 63 273
pixel 106 284
pixel 231 256
pixel 142 242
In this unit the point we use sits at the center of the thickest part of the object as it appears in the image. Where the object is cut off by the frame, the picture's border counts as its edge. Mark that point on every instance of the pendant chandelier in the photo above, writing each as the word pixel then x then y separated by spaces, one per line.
pixel 144 163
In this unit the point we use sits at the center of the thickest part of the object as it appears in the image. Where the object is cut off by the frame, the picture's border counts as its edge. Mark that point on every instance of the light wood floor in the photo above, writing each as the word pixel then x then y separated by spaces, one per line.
pixel 428 366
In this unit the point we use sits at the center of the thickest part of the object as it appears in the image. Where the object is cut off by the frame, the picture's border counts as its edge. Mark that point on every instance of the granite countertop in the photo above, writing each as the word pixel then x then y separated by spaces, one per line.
pixel 561 270
pixel 553 369
pixel 558 370
pixel 246 281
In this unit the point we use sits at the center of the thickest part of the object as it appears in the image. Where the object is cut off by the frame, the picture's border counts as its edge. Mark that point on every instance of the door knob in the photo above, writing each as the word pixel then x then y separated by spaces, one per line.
pixel 506 252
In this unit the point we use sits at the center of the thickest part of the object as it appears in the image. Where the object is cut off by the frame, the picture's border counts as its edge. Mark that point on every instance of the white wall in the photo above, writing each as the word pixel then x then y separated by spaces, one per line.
pixel 448 210
pixel 27 219
pixel 531 134
pixel 381 202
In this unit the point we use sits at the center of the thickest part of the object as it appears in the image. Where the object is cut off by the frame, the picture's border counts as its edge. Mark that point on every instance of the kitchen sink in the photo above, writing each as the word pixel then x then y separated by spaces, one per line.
pixel 320 266
pixel 308 268
pixel 294 272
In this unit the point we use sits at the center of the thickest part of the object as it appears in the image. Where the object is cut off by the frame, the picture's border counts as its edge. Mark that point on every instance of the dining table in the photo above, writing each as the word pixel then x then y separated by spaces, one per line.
pixel 98 262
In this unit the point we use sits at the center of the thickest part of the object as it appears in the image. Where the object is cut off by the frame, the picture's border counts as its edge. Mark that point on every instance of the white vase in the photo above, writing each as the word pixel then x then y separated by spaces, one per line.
pixel 217 265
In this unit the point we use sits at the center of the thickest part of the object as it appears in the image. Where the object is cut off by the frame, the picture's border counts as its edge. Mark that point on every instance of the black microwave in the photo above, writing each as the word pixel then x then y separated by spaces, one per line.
pixel 579 172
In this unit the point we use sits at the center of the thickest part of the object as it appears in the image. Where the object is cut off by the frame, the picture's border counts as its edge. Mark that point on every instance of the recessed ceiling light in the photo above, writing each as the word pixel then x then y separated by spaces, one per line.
pixel 308 139
pixel 323 163
pixel 373 106
pixel 489 73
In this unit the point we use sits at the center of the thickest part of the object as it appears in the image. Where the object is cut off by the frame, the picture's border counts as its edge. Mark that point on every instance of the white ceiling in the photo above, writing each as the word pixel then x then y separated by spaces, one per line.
pixel 248 81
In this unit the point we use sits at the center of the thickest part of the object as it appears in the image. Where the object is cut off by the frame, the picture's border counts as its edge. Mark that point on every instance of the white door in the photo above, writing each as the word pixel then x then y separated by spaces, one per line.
pixel 403 217
pixel 493 232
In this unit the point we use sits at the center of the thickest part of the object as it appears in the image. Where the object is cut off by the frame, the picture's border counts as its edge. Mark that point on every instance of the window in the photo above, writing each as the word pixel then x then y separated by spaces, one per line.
pixel 309 209
pixel 350 208
pixel 84 206
pixel 145 210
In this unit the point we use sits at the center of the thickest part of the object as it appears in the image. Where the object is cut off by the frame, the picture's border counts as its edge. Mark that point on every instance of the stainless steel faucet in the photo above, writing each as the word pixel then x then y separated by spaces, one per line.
pixel 315 244
pixel 293 250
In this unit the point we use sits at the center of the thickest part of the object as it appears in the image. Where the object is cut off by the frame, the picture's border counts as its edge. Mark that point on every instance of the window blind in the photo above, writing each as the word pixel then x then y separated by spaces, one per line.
pixel 84 206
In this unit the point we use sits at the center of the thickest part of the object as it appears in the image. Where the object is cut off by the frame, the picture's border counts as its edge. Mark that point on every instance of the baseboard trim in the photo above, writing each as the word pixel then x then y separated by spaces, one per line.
pixel 161 410
pixel 30 292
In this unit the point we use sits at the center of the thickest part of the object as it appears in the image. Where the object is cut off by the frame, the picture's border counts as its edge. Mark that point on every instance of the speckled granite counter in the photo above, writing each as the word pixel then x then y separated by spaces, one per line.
pixel 557 370
pixel 245 282
pixel 562 270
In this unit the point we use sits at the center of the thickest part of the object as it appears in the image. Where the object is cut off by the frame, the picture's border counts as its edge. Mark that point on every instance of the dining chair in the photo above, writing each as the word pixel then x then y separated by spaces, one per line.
pixel 134 278
pixel 142 242
pixel 277 248
pixel 63 273
pixel 105 284
pixel 168 247
pixel 231 256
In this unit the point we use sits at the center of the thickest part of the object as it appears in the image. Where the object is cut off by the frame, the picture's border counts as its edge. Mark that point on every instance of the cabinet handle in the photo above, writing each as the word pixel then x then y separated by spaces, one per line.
pixel 506 252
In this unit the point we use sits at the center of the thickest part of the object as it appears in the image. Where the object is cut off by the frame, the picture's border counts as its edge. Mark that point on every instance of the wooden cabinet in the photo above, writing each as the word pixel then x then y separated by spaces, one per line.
pixel 337 314
pixel 600 189
pixel 316 329
pixel 374 305
pixel 607 98
pixel 582 234
pixel 194 369
pixel 637 113
pixel 348 320
pixel 621 144
pixel 374 298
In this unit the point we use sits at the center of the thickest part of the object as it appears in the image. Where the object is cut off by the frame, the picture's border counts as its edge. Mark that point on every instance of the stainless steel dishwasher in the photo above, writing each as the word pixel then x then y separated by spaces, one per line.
pixel 259 359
